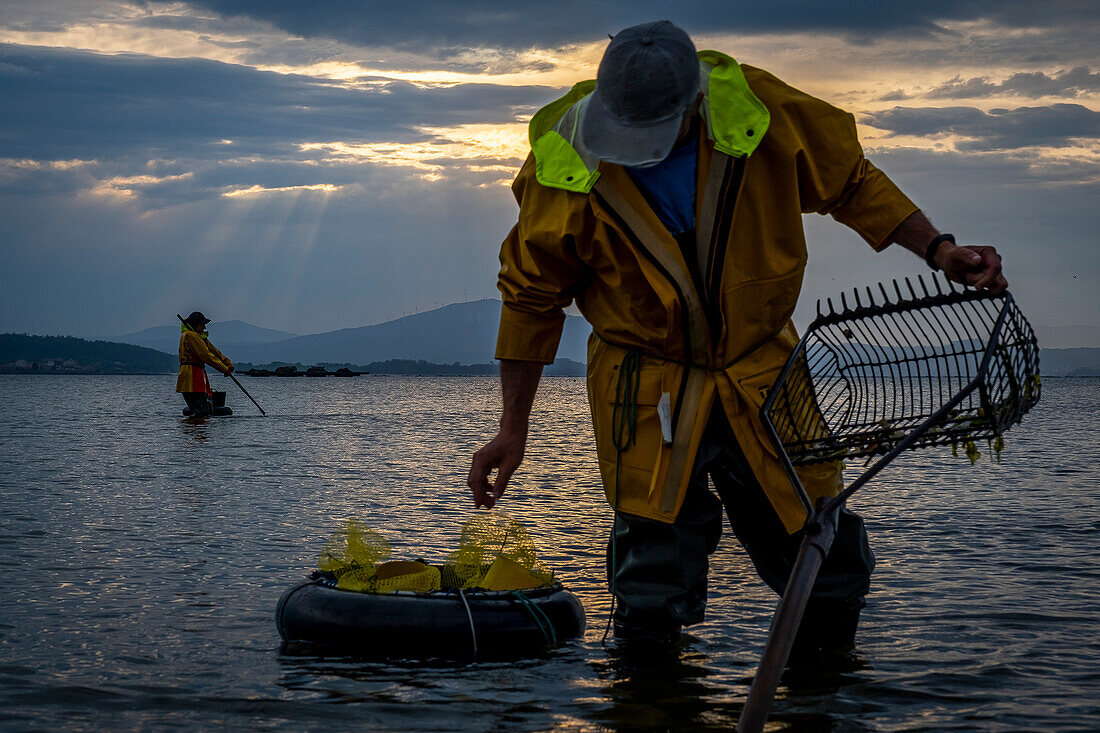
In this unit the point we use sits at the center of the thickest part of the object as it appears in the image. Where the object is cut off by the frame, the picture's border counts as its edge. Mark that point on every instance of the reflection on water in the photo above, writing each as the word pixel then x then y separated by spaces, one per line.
pixel 144 555
pixel 669 690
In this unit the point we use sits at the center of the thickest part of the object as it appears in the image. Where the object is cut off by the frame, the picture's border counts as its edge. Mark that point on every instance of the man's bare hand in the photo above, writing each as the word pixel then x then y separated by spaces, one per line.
pixel 519 380
pixel 974 265
pixel 503 453
pixel 977 266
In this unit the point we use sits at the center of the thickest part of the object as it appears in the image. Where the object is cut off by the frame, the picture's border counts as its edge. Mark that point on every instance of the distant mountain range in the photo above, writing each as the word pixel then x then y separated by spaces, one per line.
pixel 1069 362
pixel 226 334
pixel 462 332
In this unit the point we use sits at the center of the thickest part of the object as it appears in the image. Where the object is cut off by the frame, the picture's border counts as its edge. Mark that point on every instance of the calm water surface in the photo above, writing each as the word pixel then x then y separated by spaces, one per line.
pixel 143 556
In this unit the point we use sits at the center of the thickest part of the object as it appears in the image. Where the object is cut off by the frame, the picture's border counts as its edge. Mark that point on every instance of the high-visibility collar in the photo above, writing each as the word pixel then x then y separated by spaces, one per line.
pixel 736 121
pixel 185 327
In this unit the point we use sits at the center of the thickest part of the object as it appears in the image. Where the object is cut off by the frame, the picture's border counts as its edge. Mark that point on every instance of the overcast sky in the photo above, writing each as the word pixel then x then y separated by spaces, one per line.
pixel 308 166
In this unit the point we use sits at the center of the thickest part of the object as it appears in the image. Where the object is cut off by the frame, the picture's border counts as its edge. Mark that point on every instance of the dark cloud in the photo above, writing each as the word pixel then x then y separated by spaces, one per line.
pixel 391 241
pixel 172 22
pixel 506 23
pixel 1076 81
pixel 156 127
pixel 897 95
pixel 304 261
pixel 69 104
pixel 997 129
pixel 160 184
pixel 1041 216
pixel 945 177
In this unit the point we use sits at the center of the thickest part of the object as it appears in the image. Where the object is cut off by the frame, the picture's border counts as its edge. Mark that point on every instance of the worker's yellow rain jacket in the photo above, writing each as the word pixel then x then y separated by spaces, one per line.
pixel 586 233
pixel 196 350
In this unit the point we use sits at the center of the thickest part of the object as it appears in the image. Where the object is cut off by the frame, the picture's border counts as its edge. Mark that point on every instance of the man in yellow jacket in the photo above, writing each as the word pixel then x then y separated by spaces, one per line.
pixel 195 351
pixel 665 199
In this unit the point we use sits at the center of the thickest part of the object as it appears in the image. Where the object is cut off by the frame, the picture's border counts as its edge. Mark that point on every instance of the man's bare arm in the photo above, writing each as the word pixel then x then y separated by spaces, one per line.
pixel 519 380
pixel 978 266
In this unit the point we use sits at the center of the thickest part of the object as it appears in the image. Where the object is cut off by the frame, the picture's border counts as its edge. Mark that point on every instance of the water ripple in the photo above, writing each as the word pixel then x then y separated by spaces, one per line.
pixel 144 555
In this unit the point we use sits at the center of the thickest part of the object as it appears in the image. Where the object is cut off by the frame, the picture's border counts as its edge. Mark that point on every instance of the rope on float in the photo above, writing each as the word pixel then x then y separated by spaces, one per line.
pixel 470 618
pixel 540 617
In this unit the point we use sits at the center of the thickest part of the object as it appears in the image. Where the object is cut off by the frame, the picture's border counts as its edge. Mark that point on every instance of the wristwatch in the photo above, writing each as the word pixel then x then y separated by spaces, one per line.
pixel 934 246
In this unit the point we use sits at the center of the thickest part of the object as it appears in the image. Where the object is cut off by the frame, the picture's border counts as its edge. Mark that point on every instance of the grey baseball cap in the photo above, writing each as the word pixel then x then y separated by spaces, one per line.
pixel 648 77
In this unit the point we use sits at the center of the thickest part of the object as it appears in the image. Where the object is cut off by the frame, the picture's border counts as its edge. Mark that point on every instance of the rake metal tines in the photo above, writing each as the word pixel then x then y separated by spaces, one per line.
pixel 877 368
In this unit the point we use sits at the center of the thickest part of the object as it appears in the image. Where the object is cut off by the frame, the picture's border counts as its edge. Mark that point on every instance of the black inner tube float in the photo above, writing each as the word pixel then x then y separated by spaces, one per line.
pixel 217 400
pixel 218 412
pixel 451 623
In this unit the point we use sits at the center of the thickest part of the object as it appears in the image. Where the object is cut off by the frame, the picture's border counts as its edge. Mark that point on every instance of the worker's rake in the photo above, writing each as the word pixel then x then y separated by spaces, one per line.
pixel 885 373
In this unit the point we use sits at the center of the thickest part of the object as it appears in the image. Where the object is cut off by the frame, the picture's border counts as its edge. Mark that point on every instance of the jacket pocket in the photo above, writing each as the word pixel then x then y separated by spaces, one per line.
pixel 795 414
pixel 819 479
pixel 648 438
pixel 754 390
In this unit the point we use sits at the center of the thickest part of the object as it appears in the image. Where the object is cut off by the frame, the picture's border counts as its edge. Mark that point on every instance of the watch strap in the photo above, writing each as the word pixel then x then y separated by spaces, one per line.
pixel 934 246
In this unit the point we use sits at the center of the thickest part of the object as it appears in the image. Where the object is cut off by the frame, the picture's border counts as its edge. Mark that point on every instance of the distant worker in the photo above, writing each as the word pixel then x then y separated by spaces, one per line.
pixel 195 351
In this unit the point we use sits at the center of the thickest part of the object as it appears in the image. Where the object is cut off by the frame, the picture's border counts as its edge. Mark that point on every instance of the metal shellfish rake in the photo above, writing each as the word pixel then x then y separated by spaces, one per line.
pixel 887 371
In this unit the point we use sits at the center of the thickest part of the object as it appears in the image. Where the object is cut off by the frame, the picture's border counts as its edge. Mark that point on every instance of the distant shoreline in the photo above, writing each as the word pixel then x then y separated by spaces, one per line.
pixel 80 373
pixel 173 374
pixel 54 373
pixel 28 354
pixel 30 373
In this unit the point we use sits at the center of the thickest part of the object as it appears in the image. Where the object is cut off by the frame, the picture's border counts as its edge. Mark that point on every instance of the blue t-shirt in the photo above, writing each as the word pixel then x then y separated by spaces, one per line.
pixel 669 186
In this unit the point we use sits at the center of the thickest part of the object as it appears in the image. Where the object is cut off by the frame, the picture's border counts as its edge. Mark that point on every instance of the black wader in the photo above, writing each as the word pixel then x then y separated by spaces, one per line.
pixel 660 570
pixel 199 403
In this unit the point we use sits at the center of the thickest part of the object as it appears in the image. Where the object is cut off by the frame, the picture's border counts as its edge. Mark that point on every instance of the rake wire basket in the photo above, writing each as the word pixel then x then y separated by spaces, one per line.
pixel 872 372
pixel 883 374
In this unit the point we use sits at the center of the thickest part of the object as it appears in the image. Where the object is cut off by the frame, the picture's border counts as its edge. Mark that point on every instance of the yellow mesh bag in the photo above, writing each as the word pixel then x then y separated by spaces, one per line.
pixel 353 554
pixel 496 553
pixel 356 556
pixel 391 576
pixel 406 575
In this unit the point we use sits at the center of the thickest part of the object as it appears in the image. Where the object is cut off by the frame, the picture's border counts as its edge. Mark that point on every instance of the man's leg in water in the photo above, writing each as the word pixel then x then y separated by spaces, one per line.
pixel 844 579
pixel 199 403
pixel 658 571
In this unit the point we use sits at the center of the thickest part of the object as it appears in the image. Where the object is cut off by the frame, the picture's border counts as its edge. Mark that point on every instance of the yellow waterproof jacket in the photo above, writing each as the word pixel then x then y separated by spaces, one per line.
pixel 196 350
pixel 586 234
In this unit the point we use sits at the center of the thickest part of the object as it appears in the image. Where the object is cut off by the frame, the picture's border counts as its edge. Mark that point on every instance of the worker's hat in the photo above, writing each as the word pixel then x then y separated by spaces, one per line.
pixel 648 78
